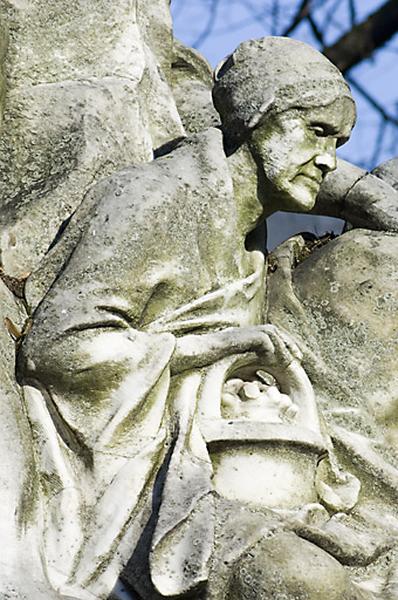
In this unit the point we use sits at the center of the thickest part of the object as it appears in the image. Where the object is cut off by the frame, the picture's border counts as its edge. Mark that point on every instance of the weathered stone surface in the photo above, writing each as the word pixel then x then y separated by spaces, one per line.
pixel 348 295
pixel 388 171
pixel 3 51
pixel 192 81
pixel 179 443
pixel 22 576
pixel 340 304
pixel 85 96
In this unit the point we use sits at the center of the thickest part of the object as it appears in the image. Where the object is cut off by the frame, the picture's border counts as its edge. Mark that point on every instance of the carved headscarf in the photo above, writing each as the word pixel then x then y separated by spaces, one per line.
pixel 272 73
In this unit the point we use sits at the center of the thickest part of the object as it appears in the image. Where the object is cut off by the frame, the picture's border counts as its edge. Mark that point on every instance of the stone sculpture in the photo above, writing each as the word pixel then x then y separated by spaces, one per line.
pixel 177 432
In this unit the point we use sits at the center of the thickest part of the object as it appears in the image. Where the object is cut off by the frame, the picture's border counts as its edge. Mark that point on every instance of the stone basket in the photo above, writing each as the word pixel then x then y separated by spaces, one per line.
pixel 267 464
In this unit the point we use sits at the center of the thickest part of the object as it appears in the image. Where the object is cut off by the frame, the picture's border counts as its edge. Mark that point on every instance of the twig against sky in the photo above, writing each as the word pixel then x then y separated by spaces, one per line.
pixel 364 38
pixel 353 12
pixel 315 29
pixel 375 103
pixel 209 25
pixel 301 14
pixel 275 14
pixel 379 141
pixel 328 18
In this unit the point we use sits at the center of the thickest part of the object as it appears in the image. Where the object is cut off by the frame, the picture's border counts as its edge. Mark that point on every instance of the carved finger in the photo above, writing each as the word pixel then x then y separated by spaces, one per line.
pixel 283 355
pixel 267 345
pixel 291 345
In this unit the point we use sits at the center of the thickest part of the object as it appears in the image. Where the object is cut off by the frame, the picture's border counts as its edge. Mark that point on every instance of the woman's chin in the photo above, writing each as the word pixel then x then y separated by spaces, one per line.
pixel 302 198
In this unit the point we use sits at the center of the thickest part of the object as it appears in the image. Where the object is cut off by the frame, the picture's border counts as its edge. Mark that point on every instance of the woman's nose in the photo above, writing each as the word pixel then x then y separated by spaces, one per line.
pixel 325 159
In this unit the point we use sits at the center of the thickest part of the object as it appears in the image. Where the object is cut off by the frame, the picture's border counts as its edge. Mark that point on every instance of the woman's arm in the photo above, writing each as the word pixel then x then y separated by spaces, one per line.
pixel 273 348
pixel 352 194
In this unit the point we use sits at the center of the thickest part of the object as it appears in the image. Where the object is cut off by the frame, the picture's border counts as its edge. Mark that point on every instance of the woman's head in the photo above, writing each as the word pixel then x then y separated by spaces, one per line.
pixel 293 108
pixel 271 75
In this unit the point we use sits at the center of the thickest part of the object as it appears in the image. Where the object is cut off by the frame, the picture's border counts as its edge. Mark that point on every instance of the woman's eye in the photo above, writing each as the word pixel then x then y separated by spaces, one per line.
pixel 319 130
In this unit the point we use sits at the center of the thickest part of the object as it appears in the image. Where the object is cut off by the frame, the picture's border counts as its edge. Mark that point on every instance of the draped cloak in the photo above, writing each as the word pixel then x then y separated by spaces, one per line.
pixel 124 468
pixel 161 255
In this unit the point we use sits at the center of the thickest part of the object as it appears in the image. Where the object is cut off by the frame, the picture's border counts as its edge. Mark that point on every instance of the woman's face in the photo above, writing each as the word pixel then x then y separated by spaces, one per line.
pixel 297 148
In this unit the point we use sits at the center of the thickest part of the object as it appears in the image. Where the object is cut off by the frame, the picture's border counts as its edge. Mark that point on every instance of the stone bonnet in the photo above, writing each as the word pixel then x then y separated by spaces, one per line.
pixel 272 74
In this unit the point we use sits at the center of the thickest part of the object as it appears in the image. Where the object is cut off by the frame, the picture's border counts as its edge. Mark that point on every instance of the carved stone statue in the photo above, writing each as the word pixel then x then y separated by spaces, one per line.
pixel 178 440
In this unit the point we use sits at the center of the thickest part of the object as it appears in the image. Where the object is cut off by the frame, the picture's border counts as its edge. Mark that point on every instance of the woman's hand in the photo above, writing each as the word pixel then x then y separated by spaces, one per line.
pixel 274 349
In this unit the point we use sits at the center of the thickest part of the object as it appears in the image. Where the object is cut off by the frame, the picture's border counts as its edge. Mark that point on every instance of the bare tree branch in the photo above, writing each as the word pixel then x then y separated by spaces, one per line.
pixel 315 29
pixel 353 12
pixel 257 16
pixel 364 38
pixel 383 112
pixel 275 12
pixel 301 14
pixel 209 25
pixel 328 18
pixel 393 146
pixel 379 142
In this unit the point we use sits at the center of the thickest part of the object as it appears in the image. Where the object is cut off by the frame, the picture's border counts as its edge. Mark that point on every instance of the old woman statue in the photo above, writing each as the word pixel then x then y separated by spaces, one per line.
pixel 177 435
